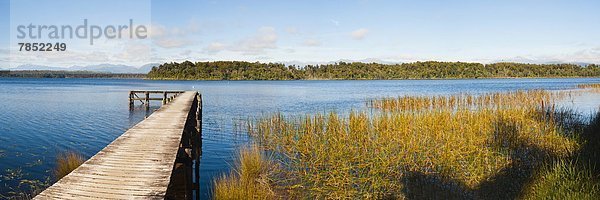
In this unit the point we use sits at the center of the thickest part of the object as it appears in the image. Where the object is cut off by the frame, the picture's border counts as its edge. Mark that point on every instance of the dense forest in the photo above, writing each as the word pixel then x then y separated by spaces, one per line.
pixel 238 70
pixel 64 74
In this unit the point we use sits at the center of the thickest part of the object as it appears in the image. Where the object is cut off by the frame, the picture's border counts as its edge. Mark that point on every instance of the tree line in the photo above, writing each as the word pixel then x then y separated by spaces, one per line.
pixel 240 70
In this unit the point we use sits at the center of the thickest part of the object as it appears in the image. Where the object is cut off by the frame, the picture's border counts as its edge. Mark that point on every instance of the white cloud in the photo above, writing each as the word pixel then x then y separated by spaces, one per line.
pixel 359 34
pixel 263 58
pixel 173 37
pixel 4 62
pixel 131 52
pixel 312 42
pixel 172 42
pixel 61 58
pixel 135 52
pixel 291 30
pixel 265 38
pixel 194 27
pixel 157 31
pixel 589 55
pixel 186 52
pixel 214 47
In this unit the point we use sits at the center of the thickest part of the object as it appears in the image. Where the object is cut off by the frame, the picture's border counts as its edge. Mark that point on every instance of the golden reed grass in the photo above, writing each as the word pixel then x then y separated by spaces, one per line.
pixel 365 157
pixel 250 180
pixel 458 140
pixel 591 85
pixel 520 98
pixel 594 87
pixel 66 163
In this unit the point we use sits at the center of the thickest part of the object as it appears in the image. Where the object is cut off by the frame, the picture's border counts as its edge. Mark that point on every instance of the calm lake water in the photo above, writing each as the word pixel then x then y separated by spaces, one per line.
pixel 42 117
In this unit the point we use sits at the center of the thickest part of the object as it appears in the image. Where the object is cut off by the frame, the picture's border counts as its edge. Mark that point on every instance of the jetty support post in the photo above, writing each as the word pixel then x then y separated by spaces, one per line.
pixel 131 100
pixel 188 157
pixel 197 155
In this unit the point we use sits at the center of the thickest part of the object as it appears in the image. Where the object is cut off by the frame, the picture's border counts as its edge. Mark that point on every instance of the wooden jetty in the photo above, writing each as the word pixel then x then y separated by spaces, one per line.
pixel 156 159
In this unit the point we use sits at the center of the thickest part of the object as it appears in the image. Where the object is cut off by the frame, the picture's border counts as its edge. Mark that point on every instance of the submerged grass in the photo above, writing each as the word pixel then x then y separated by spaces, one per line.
pixel 27 189
pixel 66 163
pixel 477 147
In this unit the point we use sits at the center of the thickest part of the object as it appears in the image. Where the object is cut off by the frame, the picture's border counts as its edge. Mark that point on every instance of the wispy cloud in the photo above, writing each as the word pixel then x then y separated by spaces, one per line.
pixel 335 22
pixel 291 30
pixel 186 52
pixel 265 38
pixel 214 47
pixel 588 55
pixel 135 52
pixel 312 42
pixel 4 53
pixel 173 37
pixel 157 31
pixel 172 42
pixel 131 52
pixel 359 34
pixel 591 55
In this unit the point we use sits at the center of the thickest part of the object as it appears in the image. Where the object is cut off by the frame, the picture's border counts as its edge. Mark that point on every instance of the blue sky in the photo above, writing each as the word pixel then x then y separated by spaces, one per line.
pixel 536 31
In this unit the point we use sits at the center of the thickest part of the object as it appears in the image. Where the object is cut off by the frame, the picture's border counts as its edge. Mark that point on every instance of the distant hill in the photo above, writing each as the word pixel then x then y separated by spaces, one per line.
pixel 37 67
pixel 148 67
pixel 105 68
pixel 66 74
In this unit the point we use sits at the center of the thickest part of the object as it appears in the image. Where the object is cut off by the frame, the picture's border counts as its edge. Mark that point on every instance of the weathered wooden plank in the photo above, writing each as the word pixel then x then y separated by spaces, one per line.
pixel 136 165
pixel 105 191
pixel 156 182
pixel 116 182
pixel 108 168
pixel 150 155
pixel 50 196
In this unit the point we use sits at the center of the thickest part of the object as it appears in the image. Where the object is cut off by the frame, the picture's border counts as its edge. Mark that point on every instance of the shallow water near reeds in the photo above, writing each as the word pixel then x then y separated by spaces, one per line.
pixel 40 118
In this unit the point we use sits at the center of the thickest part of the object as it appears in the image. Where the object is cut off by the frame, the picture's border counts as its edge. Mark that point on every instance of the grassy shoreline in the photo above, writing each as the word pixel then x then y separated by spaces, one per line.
pixel 502 149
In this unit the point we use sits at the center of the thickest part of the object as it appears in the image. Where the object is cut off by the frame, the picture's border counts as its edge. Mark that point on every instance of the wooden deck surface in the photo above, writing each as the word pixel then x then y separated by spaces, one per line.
pixel 137 165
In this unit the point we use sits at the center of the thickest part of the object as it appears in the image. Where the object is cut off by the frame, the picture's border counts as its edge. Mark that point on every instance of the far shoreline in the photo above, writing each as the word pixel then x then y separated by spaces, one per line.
pixel 240 80
pixel 483 78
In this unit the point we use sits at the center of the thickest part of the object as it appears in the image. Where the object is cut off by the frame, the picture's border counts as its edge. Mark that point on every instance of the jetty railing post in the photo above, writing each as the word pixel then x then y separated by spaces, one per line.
pixel 147 100
pixel 200 120
pixel 164 101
